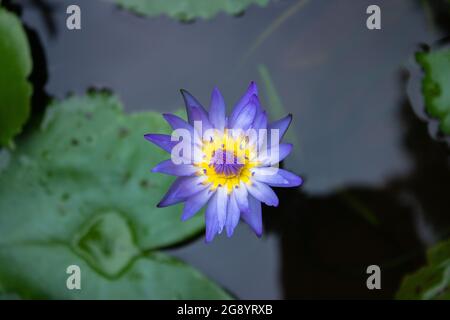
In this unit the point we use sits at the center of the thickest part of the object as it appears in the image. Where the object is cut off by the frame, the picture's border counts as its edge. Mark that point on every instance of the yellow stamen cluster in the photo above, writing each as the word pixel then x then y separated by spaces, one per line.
pixel 225 142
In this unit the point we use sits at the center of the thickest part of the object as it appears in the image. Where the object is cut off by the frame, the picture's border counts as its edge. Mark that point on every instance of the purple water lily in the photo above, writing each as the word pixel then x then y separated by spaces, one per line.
pixel 232 163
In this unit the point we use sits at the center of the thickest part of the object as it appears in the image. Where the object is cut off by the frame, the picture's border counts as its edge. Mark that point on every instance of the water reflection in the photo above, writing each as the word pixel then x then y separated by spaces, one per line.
pixel 410 214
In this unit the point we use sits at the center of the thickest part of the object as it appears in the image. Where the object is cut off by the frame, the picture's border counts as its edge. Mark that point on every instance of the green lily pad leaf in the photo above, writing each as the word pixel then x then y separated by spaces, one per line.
pixel 436 85
pixel 106 243
pixel 15 67
pixel 187 10
pixel 89 158
pixel 431 281
pixel 79 191
pixel 38 271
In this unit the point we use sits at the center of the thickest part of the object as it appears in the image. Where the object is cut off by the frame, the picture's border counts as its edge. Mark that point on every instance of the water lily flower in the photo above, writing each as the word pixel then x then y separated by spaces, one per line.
pixel 229 163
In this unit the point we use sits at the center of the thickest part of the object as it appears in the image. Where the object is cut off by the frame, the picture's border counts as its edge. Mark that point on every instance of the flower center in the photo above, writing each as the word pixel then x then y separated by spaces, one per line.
pixel 226 163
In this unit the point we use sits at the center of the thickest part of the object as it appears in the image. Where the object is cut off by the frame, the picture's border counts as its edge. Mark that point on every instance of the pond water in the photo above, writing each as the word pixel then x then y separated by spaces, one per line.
pixel 376 182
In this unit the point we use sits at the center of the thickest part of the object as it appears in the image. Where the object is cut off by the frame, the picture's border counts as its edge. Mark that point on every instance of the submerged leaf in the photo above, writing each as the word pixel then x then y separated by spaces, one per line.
pixel 187 10
pixel 15 67
pixel 79 191
pixel 275 105
pixel 431 281
pixel 273 26
pixel 436 85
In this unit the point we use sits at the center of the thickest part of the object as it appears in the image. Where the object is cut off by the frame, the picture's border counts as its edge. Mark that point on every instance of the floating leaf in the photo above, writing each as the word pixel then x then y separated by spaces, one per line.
pixel 431 281
pixel 38 271
pixel 436 85
pixel 187 10
pixel 15 67
pixel 79 191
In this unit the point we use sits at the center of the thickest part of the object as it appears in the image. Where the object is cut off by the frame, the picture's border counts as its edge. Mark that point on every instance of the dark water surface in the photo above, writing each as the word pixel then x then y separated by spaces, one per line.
pixel 377 185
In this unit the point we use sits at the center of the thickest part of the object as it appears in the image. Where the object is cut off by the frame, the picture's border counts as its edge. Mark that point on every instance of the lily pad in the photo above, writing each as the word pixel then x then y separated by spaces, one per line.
pixel 38 271
pixel 436 85
pixel 15 67
pixel 187 10
pixel 431 281
pixel 79 191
